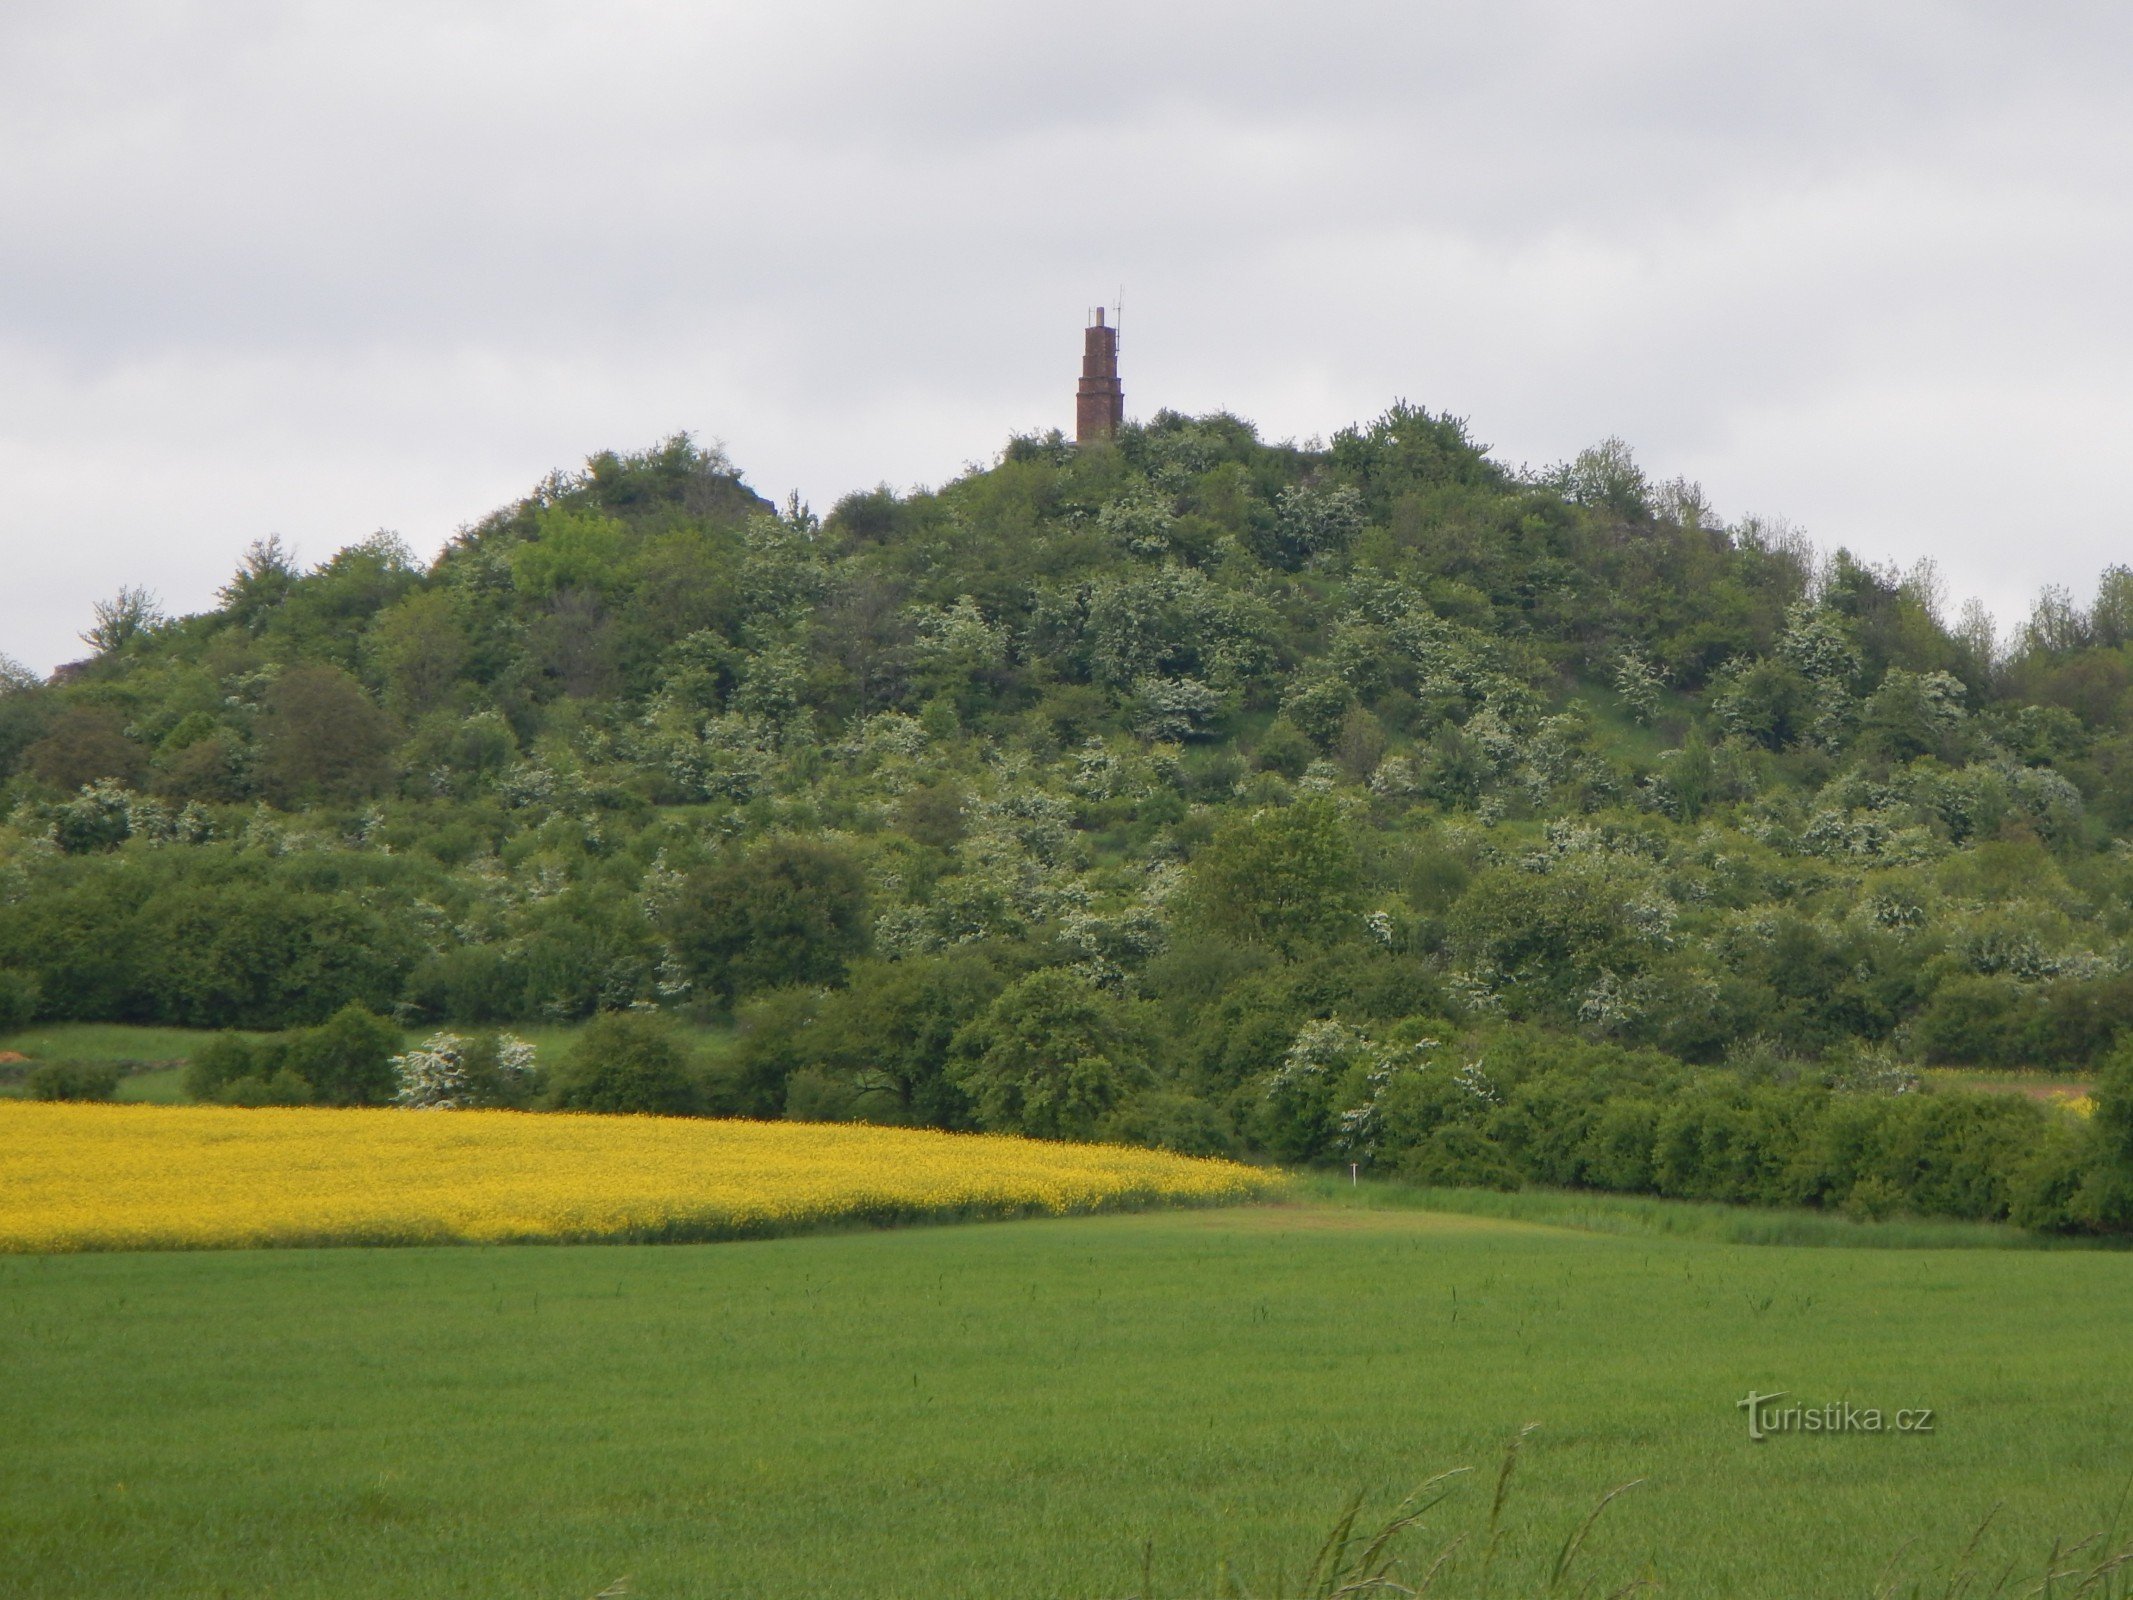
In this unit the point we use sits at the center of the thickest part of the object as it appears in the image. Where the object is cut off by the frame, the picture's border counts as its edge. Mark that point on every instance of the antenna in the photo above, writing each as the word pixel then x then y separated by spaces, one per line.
pixel 1118 313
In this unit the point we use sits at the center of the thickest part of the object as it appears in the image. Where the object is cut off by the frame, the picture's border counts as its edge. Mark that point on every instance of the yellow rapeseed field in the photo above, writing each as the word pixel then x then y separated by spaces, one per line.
pixel 125 1177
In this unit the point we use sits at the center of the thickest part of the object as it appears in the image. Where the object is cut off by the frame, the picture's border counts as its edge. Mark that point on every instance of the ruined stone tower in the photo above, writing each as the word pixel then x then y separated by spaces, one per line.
pixel 1100 404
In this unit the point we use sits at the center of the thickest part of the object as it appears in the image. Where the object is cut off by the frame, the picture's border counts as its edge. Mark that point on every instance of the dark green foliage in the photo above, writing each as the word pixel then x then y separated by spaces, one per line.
pixel 223 1060
pixel 72 1080
pixel 18 1000
pixel 775 1043
pixel 632 1064
pixel 1458 1156
pixel 1165 1119
pixel 2102 1196
pixel 247 956
pixel 347 1059
pixel 888 1035
pixel 1051 1058
pixel 791 912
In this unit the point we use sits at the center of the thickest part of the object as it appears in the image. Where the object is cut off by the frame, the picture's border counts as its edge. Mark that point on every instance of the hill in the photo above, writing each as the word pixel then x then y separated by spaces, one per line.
pixel 1374 802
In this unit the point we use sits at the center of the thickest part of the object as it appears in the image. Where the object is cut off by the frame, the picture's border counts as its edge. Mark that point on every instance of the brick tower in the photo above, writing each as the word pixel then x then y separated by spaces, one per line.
pixel 1100 404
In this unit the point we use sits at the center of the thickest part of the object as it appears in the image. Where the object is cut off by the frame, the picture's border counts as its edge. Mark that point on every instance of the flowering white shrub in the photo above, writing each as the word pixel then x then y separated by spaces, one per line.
pixel 446 1072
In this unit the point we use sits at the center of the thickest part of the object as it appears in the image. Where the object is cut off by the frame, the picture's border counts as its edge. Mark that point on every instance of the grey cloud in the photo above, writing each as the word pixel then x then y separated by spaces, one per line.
pixel 316 268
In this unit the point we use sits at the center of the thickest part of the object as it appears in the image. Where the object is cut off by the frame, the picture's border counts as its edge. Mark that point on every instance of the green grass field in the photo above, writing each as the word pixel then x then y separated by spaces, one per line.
pixel 1034 1409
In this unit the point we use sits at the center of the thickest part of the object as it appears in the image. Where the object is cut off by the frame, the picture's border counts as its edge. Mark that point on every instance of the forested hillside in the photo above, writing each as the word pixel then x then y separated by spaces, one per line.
pixel 1372 802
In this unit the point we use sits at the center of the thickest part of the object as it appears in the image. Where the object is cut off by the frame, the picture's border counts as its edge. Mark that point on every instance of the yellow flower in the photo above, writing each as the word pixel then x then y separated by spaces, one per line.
pixel 118 1177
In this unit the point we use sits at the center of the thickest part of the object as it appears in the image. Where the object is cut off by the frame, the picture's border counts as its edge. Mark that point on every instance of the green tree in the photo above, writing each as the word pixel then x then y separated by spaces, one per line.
pixel 250 954
pixel 1051 1057
pixel 347 1059
pixel 625 1063
pixel 82 744
pixel 263 581
pixel 793 912
pixel 132 614
pixel 18 1000
pixel 1289 879
pixel 322 738
pixel 421 650
pixel 888 1035
pixel 1550 934
pixel 571 548
pixel 2105 1197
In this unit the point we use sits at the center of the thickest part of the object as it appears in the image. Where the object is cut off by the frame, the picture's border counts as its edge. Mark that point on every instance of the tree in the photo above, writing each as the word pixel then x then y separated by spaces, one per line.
pixel 127 616
pixel 889 1034
pixel 263 581
pixel 18 1000
pixel 1552 933
pixel 570 549
pixel 322 738
pixel 1050 1058
pixel 1289 879
pixel 421 650
pixel 82 744
pixel 2105 1196
pixel 257 954
pixel 1608 478
pixel 347 1059
pixel 1306 524
pixel 630 1064
pixel 453 1072
pixel 794 912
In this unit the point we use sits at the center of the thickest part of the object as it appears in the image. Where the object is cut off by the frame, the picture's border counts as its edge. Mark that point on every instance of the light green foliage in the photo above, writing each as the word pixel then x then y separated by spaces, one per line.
pixel 1289 879
pixel 569 548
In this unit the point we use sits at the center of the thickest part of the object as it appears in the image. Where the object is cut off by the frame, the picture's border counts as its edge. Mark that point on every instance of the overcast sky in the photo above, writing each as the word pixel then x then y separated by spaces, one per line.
pixel 317 269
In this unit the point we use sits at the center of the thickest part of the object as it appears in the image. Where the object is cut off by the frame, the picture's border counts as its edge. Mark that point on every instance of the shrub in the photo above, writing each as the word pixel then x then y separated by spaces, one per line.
pixel 225 1059
pixel 2105 1199
pixel 1973 1021
pixel 348 1059
pixel 1459 1155
pixel 449 1072
pixel 629 1064
pixel 776 1040
pixel 72 1080
pixel 1164 1119
pixel 281 1088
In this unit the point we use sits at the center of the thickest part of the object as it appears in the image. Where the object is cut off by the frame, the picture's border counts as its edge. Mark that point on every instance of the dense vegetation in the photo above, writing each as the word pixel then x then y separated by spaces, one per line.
pixel 1371 803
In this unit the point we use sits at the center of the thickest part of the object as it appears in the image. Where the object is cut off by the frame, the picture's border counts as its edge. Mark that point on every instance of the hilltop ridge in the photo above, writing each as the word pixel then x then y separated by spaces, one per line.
pixel 1193 742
